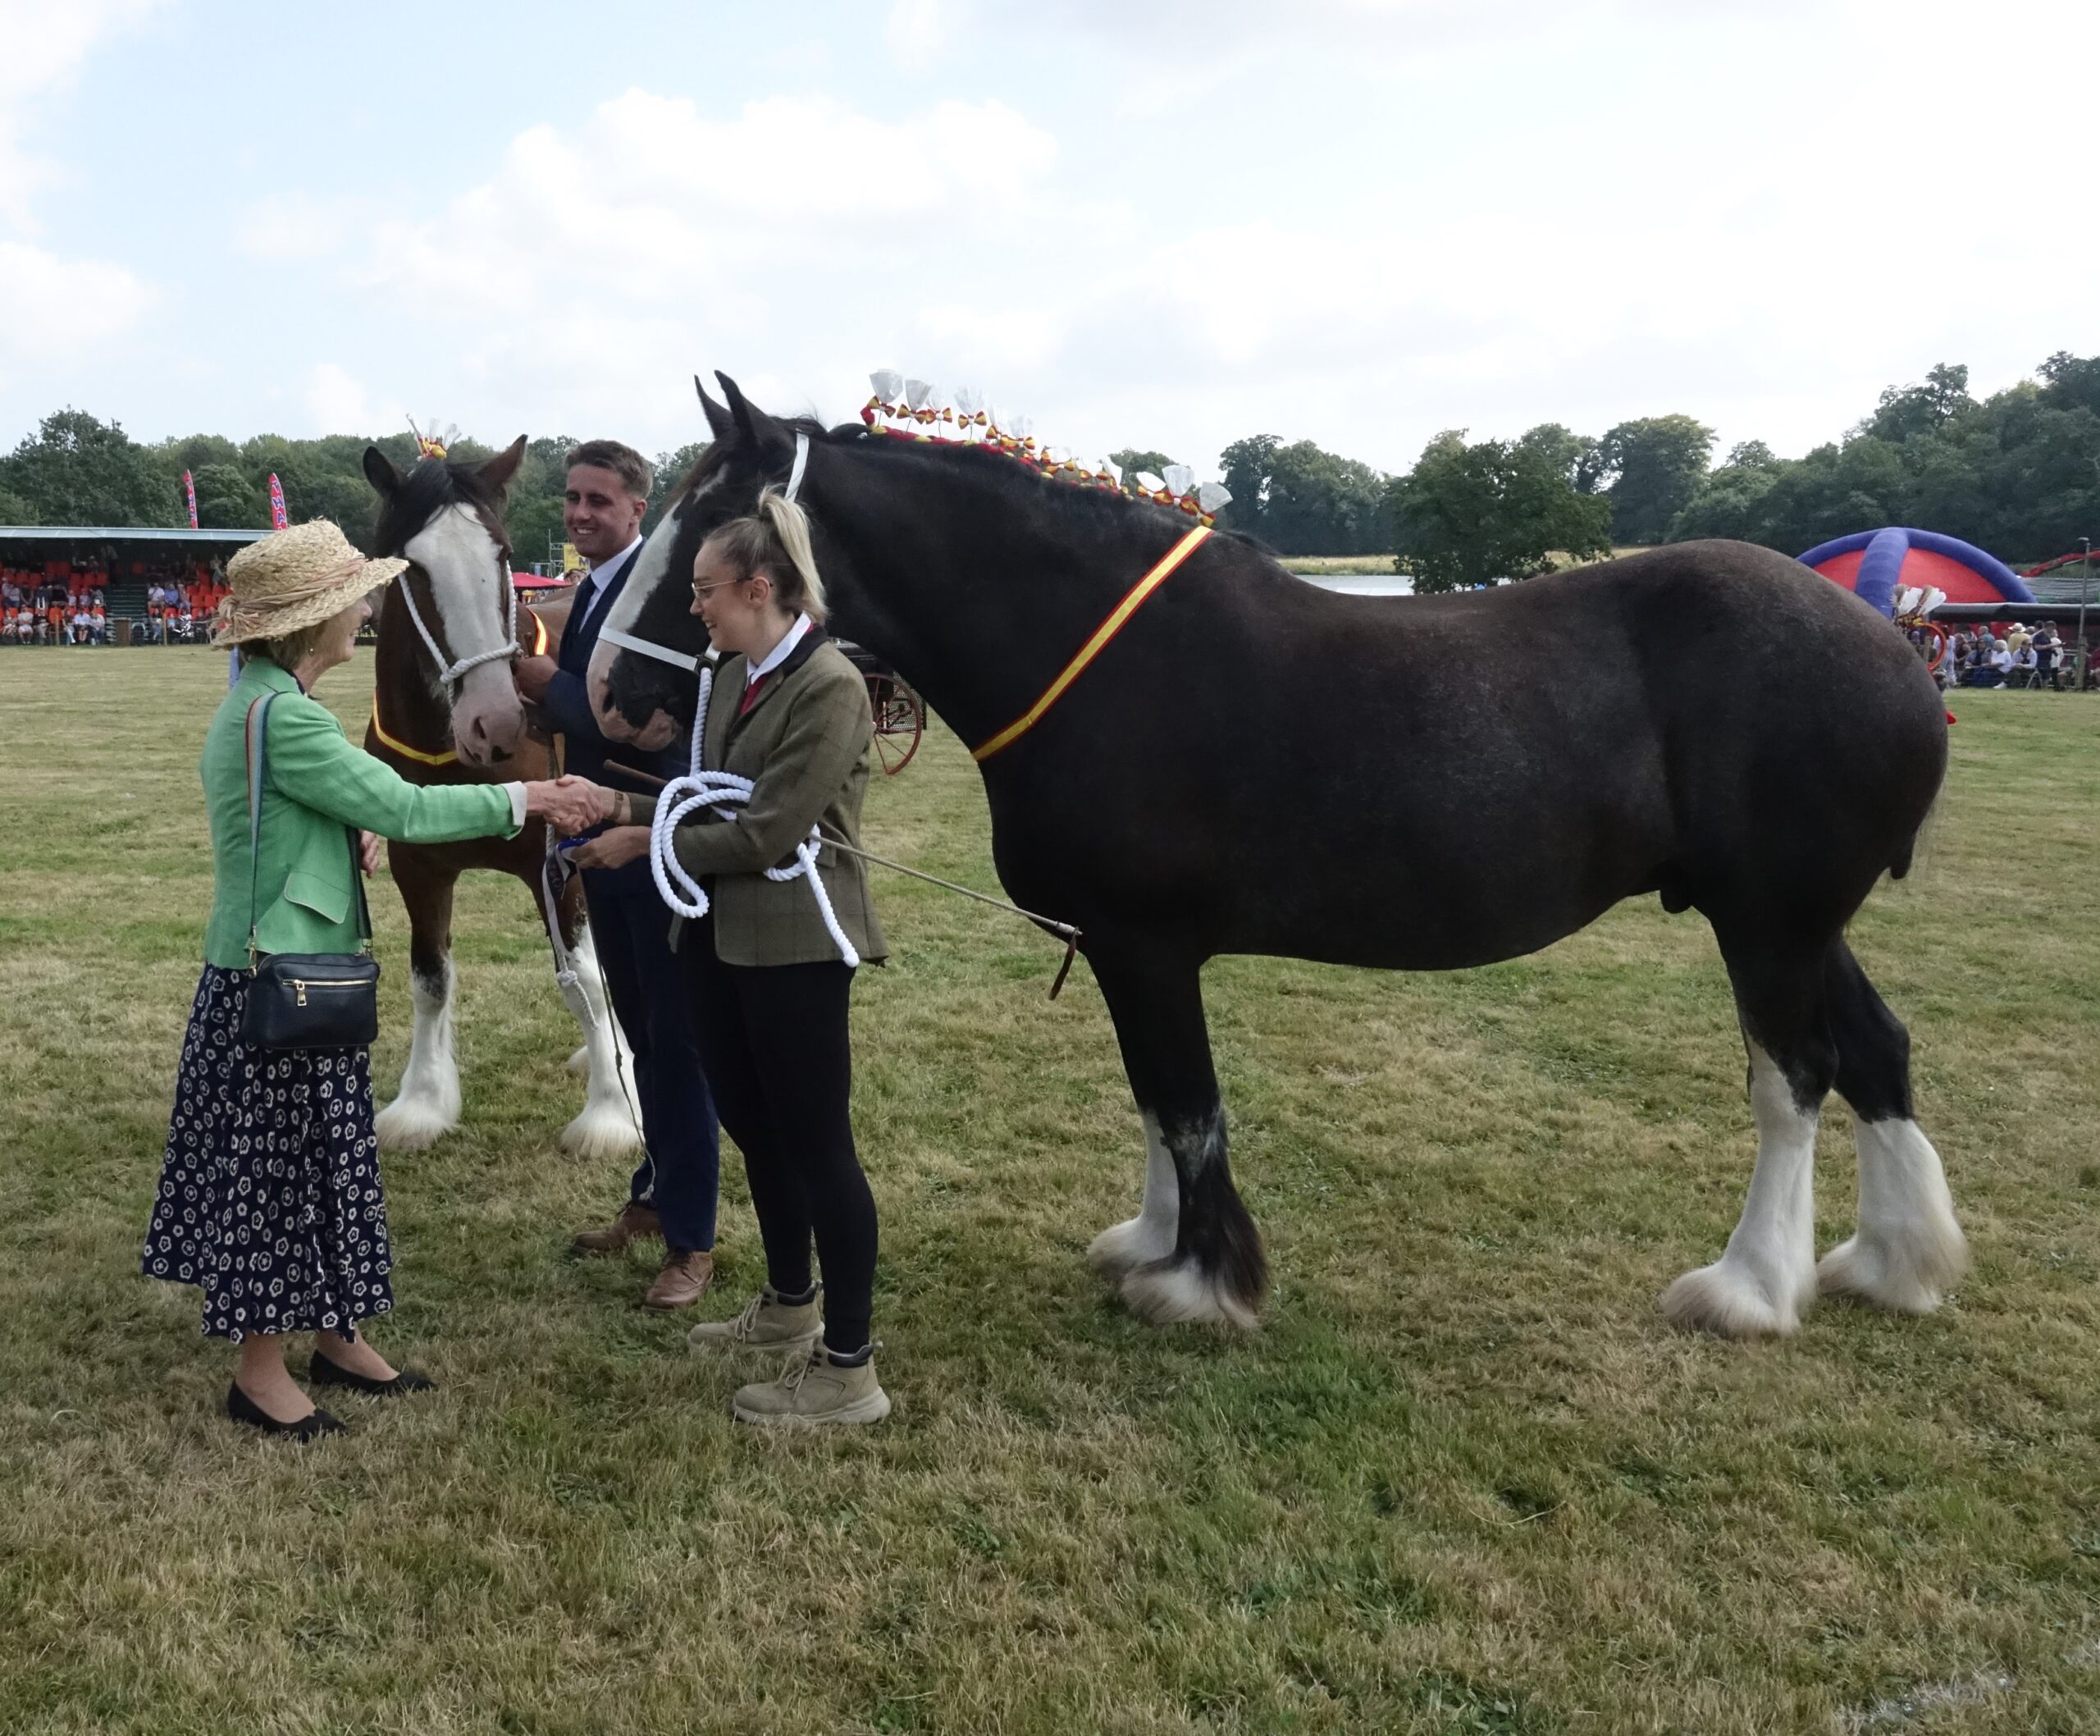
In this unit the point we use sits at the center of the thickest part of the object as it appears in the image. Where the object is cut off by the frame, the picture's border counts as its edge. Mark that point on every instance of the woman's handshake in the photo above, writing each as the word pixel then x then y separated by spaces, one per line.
pixel 569 804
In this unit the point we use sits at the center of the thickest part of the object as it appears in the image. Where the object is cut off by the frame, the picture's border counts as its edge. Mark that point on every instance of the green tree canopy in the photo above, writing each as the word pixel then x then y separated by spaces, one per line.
pixel 2018 474
pixel 1301 500
pixel 1576 456
pixel 1656 465
pixel 1131 459
pixel 76 470
pixel 228 499
pixel 1481 514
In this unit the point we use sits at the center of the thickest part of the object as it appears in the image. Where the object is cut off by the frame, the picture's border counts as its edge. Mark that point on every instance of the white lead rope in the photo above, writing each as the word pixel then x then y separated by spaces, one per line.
pixel 707 789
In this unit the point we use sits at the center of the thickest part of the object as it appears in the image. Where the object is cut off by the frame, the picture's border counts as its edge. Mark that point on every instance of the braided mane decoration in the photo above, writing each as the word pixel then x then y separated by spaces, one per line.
pixel 917 410
pixel 437 442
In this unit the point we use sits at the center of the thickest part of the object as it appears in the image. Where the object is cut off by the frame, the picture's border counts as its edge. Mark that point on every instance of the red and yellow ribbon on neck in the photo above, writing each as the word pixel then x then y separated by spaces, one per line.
pixel 1094 647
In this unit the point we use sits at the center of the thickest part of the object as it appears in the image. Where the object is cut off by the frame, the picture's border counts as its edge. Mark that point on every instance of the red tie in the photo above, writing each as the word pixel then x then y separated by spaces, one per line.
pixel 751 692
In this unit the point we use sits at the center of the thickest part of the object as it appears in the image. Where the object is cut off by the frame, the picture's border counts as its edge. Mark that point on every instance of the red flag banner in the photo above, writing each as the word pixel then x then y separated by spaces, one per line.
pixel 189 494
pixel 277 518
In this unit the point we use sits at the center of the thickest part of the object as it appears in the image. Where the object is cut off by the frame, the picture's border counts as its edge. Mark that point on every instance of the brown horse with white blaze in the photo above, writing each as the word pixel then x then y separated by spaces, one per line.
pixel 446 710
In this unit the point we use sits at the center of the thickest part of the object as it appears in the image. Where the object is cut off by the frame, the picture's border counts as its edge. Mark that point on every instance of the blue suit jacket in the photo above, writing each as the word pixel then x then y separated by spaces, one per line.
pixel 568 707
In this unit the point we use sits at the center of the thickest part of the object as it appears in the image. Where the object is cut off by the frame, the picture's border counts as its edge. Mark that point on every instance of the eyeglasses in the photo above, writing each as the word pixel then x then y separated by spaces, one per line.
pixel 716 584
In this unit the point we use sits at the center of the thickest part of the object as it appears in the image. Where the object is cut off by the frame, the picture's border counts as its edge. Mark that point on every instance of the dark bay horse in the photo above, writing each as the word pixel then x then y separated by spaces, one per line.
pixel 1708 722
pixel 446 710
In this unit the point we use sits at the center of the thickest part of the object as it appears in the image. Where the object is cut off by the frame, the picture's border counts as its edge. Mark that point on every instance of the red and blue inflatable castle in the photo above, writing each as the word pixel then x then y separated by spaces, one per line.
pixel 1876 565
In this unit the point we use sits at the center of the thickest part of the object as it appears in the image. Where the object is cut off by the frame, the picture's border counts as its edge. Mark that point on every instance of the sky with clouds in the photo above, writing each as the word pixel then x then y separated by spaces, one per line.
pixel 1168 225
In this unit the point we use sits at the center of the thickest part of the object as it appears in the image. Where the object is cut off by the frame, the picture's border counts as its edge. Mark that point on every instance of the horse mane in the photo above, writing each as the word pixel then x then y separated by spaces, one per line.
pixel 1074 504
pixel 434 484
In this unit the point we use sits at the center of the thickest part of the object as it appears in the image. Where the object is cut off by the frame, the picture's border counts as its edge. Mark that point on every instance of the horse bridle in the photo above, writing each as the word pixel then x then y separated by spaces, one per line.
pixel 663 653
pixel 450 675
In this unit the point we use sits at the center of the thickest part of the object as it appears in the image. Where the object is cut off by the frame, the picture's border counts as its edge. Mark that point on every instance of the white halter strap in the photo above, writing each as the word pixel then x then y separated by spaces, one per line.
pixel 663 653
pixel 450 674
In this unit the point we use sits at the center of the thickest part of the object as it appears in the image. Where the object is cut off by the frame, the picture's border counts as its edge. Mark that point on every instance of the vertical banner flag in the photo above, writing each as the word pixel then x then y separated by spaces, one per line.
pixel 189 494
pixel 278 519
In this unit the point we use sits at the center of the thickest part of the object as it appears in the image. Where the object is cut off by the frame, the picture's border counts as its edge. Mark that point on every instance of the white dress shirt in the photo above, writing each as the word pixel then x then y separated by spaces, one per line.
pixel 780 653
pixel 588 588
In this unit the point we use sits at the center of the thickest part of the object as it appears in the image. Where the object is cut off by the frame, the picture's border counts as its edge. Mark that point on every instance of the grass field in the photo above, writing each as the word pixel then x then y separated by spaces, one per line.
pixel 1463 1480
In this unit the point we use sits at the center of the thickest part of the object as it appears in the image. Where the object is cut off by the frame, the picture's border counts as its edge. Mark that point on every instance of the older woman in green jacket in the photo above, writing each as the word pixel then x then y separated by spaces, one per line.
pixel 269 1198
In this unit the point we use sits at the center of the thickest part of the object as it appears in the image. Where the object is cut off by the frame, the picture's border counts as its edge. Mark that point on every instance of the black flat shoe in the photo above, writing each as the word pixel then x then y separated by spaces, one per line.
pixel 242 1409
pixel 323 1372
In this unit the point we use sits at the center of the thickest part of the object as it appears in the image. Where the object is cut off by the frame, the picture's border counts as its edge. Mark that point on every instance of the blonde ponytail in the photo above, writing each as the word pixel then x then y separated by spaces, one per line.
pixel 775 541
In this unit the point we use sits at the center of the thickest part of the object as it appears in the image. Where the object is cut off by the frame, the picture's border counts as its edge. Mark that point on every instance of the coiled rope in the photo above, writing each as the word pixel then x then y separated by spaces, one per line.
pixel 723 789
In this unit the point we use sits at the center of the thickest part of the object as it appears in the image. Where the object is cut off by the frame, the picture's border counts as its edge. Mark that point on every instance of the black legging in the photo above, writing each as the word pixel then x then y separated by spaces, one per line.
pixel 779 1059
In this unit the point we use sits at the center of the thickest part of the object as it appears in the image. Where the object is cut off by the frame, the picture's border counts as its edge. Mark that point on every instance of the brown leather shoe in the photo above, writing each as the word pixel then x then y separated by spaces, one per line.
pixel 687 1274
pixel 635 1224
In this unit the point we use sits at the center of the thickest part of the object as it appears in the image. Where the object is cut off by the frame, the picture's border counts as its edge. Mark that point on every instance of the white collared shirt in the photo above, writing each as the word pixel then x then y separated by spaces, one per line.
pixel 780 653
pixel 586 592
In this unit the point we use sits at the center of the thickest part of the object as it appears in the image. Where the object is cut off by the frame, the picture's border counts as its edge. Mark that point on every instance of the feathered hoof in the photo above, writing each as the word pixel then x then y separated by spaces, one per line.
pixel 1729 1302
pixel 1167 1293
pixel 607 1130
pixel 1122 1248
pixel 409 1124
pixel 1907 1273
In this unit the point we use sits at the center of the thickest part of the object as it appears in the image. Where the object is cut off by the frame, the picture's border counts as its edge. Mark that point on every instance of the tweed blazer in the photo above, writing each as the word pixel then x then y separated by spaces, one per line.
pixel 804 745
pixel 317 784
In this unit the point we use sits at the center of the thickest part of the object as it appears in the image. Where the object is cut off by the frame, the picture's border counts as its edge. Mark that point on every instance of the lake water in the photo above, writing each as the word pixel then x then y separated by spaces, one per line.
pixel 1362 584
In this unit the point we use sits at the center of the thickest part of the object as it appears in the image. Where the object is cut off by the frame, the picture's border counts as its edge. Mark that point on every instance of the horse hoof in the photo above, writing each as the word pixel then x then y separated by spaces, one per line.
pixel 1122 1248
pixel 1729 1302
pixel 405 1125
pixel 1167 1293
pixel 1906 1274
pixel 606 1131
pixel 579 1063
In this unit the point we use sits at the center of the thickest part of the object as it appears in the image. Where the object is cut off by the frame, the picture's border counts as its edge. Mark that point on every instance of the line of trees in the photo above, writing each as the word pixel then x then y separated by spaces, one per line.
pixel 76 469
pixel 2017 473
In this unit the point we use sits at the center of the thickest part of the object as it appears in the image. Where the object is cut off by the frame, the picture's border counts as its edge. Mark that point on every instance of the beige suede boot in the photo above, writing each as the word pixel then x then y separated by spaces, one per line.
pixel 813 1393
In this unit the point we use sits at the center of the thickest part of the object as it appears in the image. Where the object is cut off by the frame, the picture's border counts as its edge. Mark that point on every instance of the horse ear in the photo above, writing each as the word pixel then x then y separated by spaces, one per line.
pixel 719 421
pixel 379 471
pixel 760 429
pixel 498 471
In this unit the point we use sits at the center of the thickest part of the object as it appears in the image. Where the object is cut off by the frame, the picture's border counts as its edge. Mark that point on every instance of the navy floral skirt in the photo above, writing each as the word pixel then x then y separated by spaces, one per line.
pixel 269 1199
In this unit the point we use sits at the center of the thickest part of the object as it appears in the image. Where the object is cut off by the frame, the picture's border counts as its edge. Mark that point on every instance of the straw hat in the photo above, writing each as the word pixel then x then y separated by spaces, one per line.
pixel 295 578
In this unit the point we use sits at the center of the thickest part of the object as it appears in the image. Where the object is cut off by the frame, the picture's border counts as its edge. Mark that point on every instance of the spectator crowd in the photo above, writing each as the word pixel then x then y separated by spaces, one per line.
pixel 66 603
pixel 1985 657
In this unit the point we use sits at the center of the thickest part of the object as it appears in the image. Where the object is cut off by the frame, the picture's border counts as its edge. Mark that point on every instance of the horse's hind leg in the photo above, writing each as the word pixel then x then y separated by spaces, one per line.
pixel 605 1127
pixel 1908 1249
pixel 1765 1280
pixel 1192 1253
pixel 427 1104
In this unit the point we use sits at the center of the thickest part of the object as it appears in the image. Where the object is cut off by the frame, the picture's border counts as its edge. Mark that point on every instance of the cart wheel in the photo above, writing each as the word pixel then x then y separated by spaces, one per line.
pixel 900 716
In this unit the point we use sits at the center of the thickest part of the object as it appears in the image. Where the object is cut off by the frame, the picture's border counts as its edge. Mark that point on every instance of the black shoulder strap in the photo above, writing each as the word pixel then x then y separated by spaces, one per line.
pixel 257 730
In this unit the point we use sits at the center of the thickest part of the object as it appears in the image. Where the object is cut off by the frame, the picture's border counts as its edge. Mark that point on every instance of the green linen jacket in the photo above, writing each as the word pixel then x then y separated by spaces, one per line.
pixel 317 783
pixel 804 745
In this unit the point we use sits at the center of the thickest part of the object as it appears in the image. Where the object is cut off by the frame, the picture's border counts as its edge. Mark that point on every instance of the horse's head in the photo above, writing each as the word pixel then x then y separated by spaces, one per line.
pixel 643 699
pixel 446 519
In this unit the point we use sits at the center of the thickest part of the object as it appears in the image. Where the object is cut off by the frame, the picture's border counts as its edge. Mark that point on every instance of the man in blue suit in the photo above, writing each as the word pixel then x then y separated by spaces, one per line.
pixel 673 1193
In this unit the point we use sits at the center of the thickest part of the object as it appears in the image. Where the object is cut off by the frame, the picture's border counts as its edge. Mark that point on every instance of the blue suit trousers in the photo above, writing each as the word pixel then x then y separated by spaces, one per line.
pixel 680 1172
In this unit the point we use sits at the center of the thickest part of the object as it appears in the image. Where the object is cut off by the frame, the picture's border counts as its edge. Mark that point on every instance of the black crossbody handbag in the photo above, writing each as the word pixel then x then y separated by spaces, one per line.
pixel 304 1000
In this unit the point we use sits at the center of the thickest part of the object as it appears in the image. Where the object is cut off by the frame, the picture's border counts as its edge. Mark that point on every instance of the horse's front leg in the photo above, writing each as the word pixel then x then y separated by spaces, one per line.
pixel 1192 1253
pixel 605 1126
pixel 428 1103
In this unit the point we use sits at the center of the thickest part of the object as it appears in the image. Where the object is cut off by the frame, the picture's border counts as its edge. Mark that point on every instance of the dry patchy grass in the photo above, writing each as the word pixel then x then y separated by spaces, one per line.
pixel 1463 1480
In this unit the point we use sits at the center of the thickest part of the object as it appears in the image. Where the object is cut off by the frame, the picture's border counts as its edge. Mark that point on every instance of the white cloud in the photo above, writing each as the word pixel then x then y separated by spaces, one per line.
pixel 917 31
pixel 295 227
pixel 339 402
pixel 48 304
